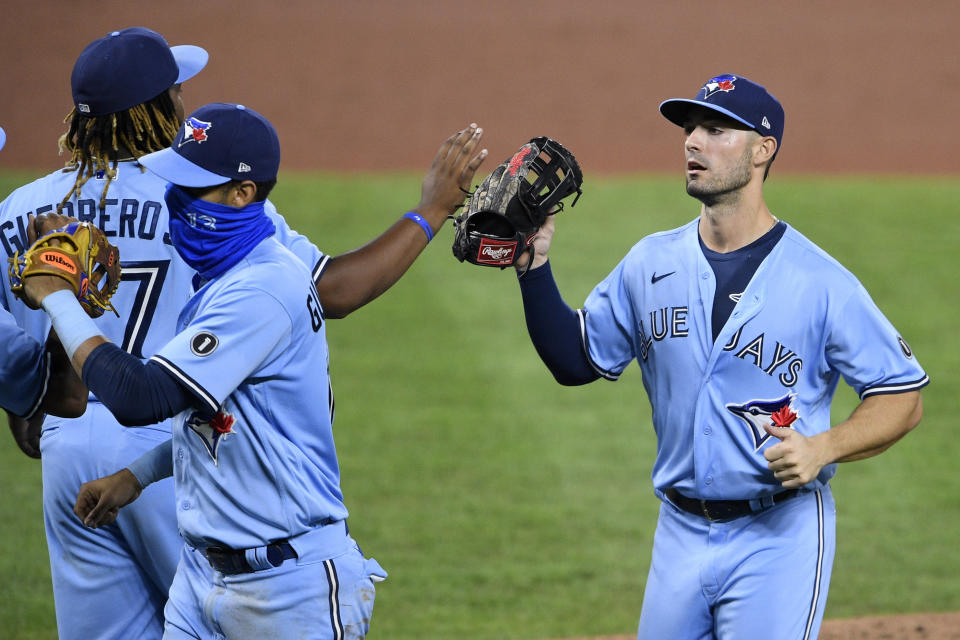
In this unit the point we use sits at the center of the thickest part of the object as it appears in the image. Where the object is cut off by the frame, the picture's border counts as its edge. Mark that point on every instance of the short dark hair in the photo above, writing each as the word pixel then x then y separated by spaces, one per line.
pixel 95 142
pixel 263 189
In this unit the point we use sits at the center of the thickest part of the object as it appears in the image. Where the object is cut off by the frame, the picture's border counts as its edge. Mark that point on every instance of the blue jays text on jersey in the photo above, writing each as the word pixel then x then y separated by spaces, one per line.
pixel 777 359
pixel 803 323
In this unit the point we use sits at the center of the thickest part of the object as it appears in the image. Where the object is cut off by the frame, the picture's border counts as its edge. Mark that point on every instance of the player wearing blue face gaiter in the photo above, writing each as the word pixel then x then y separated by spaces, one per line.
pixel 259 503
pixel 212 237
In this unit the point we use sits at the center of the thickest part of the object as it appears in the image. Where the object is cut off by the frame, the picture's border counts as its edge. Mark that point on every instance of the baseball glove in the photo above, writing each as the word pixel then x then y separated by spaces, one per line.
pixel 508 208
pixel 82 256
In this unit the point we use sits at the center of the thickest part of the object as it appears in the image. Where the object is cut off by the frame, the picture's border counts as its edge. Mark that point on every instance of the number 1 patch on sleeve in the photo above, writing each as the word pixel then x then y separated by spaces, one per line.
pixel 203 344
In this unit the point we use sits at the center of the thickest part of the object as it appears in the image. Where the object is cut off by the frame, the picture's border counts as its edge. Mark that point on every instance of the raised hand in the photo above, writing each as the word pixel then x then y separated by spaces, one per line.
pixel 447 182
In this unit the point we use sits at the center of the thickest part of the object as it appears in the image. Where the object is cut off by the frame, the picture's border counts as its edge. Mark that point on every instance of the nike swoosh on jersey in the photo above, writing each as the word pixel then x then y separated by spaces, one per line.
pixel 654 279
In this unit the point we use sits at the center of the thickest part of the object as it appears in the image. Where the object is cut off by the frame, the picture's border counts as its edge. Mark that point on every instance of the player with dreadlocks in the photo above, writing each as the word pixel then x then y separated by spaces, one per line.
pixel 109 583
pixel 98 143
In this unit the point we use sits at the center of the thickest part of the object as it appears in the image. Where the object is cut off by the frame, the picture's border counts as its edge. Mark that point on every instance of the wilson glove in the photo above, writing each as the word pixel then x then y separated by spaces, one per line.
pixel 80 254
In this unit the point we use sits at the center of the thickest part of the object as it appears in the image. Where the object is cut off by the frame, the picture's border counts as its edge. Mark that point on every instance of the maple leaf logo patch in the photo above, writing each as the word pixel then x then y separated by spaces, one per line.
pixel 212 431
pixel 759 413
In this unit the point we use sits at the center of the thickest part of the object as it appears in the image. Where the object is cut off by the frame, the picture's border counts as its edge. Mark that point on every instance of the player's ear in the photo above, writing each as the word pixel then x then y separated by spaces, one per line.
pixel 764 150
pixel 242 193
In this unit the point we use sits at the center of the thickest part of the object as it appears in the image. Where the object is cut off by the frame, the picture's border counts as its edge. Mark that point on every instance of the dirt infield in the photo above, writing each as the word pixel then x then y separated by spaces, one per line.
pixel 940 626
pixel 933 626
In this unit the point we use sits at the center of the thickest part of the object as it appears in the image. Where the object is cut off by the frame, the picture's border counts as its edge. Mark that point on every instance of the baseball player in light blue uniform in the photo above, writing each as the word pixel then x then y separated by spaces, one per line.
pixel 23 363
pixel 258 498
pixel 742 328
pixel 111 582
pixel 27 373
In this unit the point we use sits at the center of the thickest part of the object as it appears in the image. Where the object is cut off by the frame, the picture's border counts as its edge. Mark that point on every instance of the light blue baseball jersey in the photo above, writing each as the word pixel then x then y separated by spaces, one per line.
pixel 803 322
pixel 252 345
pixel 133 563
pixel 24 368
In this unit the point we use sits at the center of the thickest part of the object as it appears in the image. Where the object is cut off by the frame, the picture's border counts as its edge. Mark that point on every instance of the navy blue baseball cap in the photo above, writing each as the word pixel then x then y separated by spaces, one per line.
pixel 129 67
pixel 735 97
pixel 217 143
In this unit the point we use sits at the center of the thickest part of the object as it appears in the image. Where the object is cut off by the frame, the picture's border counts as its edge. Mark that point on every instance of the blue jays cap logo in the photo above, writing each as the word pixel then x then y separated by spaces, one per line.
pixel 717 84
pixel 760 413
pixel 194 131
pixel 212 431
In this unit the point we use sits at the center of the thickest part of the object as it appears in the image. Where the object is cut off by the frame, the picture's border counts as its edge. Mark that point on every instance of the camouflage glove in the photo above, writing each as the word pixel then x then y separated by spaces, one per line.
pixel 508 208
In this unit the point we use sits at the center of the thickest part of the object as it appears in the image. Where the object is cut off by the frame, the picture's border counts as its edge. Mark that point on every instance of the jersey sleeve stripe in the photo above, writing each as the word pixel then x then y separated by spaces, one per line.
pixel 320 267
pixel 43 388
pixel 603 373
pixel 901 387
pixel 188 382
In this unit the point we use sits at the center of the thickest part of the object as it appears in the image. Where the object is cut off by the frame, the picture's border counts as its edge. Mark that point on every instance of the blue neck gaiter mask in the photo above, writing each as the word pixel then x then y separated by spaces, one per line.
pixel 213 237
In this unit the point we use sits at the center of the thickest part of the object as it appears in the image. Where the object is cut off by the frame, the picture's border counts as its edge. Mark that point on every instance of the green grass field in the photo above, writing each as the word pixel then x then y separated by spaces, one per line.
pixel 506 506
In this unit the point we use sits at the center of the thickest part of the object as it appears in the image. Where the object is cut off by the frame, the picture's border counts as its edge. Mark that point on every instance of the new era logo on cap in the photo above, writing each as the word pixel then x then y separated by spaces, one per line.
pixel 227 137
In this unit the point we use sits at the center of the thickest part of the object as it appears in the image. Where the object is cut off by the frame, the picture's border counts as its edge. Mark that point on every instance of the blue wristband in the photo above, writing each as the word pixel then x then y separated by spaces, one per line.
pixel 70 321
pixel 416 217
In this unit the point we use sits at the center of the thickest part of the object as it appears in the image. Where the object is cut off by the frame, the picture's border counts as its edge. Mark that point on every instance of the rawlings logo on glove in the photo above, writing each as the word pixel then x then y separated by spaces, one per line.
pixel 507 209
pixel 78 253
pixel 496 252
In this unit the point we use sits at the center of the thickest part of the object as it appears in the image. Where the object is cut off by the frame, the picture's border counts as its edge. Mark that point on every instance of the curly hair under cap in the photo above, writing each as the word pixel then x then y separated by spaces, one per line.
pixel 95 142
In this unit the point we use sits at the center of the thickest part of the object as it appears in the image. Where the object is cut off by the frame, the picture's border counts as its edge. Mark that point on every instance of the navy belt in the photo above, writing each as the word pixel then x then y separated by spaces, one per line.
pixel 234 561
pixel 722 510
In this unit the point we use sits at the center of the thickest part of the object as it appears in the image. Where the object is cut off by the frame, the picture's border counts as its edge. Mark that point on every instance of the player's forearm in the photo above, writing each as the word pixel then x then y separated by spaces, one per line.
pixel 137 394
pixel 874 426
pixel 76 331
pixel 67 395
pixel 554 329
pixel 134 393
pixel 357 277
pixel 154 465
